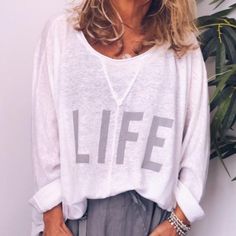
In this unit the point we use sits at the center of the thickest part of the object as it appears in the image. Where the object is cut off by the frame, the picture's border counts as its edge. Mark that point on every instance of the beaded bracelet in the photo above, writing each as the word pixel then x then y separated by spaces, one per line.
pixel 178 224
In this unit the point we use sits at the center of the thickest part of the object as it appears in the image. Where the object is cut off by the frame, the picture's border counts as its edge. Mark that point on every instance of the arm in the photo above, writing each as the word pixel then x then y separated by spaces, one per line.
pixel 195 145
pixel 44 123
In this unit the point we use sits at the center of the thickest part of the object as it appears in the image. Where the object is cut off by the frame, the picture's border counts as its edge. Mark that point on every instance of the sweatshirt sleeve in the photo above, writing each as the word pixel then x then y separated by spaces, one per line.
pixel 44 122
pixel 195 143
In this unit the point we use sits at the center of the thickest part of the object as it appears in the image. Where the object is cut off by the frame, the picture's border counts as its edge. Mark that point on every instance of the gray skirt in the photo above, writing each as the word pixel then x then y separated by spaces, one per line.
pixel 125 214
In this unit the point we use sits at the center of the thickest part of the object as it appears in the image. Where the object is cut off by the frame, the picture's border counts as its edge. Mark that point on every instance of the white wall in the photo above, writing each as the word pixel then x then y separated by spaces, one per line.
pixel 20 24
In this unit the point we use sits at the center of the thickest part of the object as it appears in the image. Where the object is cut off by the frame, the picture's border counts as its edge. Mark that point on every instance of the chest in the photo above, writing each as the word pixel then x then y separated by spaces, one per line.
pixel 85 81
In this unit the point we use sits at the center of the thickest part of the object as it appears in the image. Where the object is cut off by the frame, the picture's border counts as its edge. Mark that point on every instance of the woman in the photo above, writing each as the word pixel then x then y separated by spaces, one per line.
pixel 120 121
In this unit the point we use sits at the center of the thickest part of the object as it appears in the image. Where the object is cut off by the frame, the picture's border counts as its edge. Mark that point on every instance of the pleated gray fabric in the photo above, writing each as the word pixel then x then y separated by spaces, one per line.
pixel 125 214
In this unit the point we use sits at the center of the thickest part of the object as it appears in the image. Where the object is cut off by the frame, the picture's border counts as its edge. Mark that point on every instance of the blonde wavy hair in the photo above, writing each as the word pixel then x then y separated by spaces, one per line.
pixel 171 21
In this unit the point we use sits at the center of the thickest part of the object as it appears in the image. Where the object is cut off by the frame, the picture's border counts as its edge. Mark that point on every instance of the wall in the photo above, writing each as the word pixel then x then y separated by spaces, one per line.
pixel 20 24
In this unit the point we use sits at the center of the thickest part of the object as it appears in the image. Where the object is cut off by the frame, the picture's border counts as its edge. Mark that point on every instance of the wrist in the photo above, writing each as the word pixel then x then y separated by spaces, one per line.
pixel 181 216
pixel 54 215
pixel 180 227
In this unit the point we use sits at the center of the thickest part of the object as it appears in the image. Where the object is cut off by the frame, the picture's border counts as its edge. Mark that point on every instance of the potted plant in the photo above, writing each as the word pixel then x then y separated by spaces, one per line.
pixel 218 39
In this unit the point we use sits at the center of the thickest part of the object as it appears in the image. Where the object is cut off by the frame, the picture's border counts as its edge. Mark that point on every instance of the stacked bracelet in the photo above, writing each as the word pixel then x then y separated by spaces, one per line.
pixel 178 224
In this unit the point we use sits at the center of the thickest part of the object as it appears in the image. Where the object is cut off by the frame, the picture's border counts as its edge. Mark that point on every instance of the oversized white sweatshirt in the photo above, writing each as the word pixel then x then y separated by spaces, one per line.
pixel 102 126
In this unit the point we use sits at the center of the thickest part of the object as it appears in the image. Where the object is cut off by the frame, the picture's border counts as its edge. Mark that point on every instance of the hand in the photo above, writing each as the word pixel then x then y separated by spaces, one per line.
pixel 54 223
pixel 164 229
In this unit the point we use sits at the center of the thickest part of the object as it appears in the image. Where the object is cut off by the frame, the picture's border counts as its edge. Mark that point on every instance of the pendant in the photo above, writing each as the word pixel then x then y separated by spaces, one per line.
pixel 126 55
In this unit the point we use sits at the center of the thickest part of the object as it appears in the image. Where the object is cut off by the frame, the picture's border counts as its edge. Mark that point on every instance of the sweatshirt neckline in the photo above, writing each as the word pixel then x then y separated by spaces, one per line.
pixel 81 35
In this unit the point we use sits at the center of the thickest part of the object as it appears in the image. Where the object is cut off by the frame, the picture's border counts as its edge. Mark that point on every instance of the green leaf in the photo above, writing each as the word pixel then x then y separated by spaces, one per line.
pixel 233 122
pixel 208 21
pixel 207 35
pixel 230 48
pixel 227 11
pixel 231 33
pixel 220 57
pixel 210 48
pixel 229 117
pixel 215 102
pixel 230 137
pixel 225 149
pixel 202 21
pixel 220 113
pixel 223 78
pixel 214 1
pixel 220 158
pixel 229 152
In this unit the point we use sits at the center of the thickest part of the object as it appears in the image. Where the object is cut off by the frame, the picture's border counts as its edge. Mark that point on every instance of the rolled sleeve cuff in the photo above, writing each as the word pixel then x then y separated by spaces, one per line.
pixel 47 197
pixel 188 204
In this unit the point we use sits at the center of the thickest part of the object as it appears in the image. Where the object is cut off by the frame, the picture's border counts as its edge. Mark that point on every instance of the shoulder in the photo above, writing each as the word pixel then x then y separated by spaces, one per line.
pixel 196 64
pixel 57 25
pixel 195 52
pixel 187 56
pixel 193 57
pixel 55 30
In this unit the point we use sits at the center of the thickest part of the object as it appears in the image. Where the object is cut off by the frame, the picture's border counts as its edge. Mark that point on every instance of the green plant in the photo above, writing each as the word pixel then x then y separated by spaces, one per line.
pixel 218 39
pixel 219 2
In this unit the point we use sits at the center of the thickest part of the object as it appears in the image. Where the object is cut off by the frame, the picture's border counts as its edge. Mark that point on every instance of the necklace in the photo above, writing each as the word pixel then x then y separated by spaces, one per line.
pixel 126 55
pixel 135 50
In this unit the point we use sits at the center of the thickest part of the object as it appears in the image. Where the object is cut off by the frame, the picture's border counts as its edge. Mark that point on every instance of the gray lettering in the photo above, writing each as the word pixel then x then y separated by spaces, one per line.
pixel 103 136
pixel 153 140
pixel 80 158
pixel 125 135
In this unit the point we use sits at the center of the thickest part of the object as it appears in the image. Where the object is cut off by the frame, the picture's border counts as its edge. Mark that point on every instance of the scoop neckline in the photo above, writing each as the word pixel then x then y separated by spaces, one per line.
pixel 81 35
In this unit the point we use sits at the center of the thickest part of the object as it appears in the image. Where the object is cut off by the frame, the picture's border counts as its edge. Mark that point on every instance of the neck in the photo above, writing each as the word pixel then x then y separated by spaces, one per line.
pixel 132 11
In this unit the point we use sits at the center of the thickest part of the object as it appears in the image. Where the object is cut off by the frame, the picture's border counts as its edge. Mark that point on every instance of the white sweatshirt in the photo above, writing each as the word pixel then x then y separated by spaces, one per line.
pixel 102 126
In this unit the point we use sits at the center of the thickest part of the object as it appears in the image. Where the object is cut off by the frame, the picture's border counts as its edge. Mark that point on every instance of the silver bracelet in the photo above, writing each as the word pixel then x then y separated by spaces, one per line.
pixel 178 224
